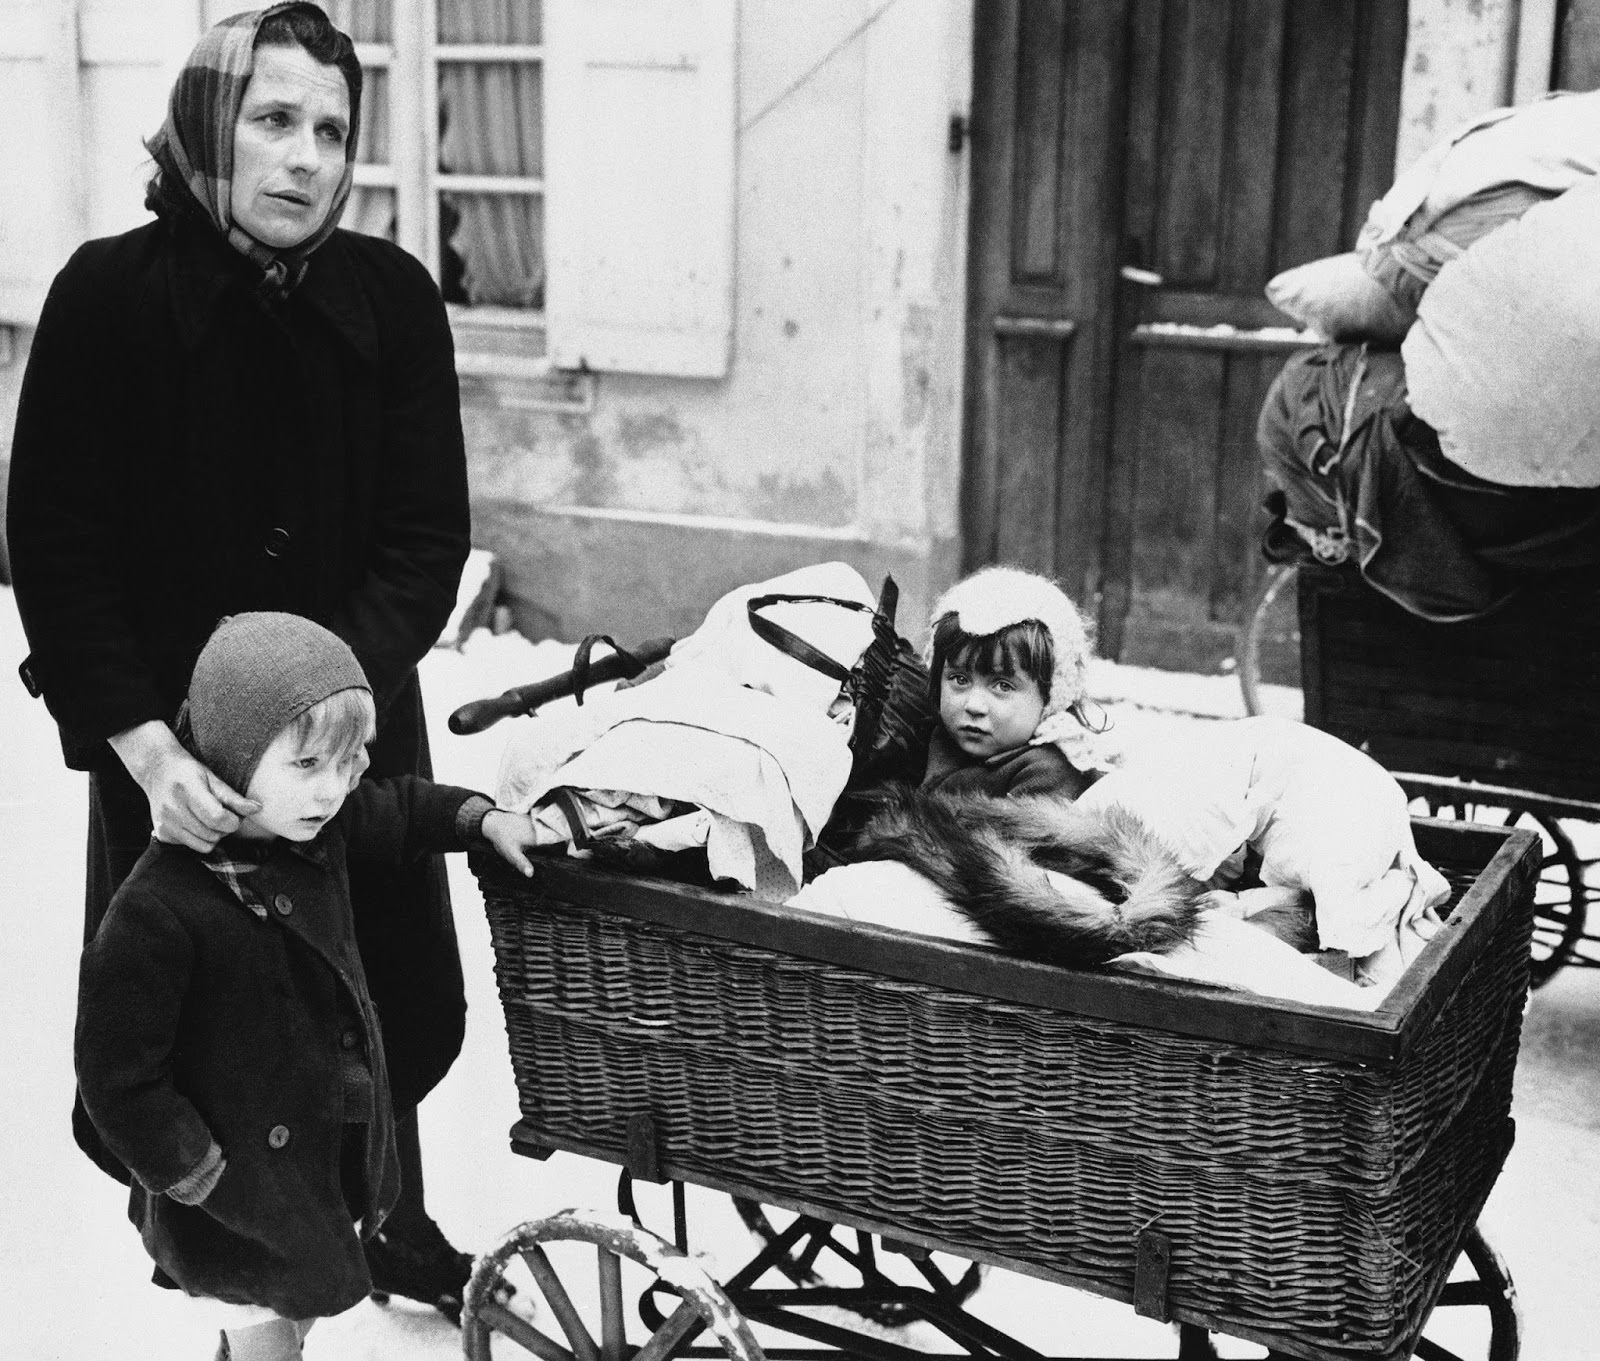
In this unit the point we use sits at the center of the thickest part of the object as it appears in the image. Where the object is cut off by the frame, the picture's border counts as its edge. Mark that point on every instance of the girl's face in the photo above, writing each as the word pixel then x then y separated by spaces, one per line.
pixel 988 712
pixel 299 788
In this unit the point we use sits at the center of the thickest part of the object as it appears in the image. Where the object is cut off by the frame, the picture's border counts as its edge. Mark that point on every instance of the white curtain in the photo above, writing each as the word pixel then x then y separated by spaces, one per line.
pixel 492 123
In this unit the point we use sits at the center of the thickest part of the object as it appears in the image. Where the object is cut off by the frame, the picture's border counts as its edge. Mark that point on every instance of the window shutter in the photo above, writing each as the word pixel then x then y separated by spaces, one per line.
pixel 129 53
pixel 639 184
pixel 42 194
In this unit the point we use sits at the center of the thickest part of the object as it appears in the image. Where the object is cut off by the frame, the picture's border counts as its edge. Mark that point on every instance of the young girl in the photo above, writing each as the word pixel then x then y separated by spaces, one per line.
pixel 1007 665
pixel 227 1047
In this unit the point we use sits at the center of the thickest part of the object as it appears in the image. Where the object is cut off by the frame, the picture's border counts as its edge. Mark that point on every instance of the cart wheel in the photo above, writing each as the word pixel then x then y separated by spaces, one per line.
pixel 1477 1315
pixel 1271 629
pixel 952 1279
pixel 704 1306
pixel 1561 903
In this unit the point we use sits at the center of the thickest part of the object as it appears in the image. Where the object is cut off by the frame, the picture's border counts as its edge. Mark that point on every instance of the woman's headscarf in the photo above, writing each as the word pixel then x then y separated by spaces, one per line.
pixel 194 148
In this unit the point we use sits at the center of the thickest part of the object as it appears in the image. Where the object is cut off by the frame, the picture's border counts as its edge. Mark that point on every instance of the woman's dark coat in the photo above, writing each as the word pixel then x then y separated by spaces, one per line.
pixel 199 1021
pixel 184 451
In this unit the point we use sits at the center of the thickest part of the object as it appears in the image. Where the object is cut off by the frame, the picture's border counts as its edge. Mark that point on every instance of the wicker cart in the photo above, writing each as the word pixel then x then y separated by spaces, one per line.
pixel 1493 720
pixel 1297 1176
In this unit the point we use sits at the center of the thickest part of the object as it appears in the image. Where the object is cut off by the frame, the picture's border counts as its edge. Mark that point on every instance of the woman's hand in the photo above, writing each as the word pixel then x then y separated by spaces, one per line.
pixel 512 834
pixel 189 806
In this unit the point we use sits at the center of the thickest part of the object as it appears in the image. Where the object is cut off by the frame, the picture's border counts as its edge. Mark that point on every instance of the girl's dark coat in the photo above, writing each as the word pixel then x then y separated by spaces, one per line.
pixel 198 1020
pixel 184 451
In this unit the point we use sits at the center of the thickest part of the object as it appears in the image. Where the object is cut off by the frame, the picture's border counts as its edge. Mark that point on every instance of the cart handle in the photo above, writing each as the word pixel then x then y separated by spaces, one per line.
pixel 619 664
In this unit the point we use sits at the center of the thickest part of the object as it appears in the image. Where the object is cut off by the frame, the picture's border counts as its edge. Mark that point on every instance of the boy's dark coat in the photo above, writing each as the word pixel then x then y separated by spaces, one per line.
pixel 184 452
pixel 199 1020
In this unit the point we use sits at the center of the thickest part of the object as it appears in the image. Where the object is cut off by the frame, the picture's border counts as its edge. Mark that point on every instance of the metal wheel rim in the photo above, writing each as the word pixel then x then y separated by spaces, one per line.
pixel 1563 920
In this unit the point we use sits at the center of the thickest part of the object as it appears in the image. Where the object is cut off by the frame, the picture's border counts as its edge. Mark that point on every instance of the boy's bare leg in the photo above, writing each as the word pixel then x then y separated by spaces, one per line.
pixel 278 1340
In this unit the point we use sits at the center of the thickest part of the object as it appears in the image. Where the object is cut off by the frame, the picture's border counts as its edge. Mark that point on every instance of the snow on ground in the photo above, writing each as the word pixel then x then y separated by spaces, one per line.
pixel 74 1281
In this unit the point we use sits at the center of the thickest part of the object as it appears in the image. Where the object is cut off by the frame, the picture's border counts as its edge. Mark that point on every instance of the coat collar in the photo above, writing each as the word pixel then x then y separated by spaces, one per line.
pixel 203 267
pixel 313 851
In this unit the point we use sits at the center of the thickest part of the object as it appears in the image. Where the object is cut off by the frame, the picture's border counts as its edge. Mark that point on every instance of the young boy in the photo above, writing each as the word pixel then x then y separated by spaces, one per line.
pixel 227 1049
pixel 1007 664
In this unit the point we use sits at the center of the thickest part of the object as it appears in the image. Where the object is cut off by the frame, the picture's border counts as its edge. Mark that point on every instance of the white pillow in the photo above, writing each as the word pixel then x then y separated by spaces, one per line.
pixel 1339 300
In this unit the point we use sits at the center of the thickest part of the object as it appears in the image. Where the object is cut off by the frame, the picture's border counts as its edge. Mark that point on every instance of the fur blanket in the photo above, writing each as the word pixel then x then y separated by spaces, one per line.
pixel 1039 876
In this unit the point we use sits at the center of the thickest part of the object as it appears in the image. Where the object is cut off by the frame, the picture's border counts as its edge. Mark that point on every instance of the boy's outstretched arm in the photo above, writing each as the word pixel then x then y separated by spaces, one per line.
pixel 512 834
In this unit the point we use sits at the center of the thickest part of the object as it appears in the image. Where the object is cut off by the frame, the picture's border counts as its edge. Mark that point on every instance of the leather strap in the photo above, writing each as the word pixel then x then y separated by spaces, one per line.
pixel 791 643
pixel 580 662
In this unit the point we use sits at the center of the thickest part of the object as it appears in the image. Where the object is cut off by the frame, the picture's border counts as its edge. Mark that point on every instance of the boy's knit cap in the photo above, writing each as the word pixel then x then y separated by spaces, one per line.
pixel 994 598
pixel 257 673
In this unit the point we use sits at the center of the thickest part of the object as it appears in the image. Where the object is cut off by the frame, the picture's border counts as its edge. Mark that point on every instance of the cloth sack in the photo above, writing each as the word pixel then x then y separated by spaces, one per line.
pixel 725 645
pixel 1488 173
pixel 1503 358
pixel 1321 815
pixel 1485 175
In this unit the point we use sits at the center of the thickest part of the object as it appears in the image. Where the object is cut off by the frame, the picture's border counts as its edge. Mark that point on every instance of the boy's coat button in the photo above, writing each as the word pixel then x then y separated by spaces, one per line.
pixel 276 541
pixel 349 1039
pixel 277 1136
pixel 283 904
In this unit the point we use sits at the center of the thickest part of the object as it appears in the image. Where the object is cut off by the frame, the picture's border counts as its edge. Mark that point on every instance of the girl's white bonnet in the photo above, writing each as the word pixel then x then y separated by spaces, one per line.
pixel 994 598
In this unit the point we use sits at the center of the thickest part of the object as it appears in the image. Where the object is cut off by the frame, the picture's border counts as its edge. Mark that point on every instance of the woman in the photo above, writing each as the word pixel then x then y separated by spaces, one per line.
pixel 238 407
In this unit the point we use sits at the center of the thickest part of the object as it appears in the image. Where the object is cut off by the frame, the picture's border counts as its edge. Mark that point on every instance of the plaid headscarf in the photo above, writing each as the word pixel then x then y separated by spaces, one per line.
pixel 194 147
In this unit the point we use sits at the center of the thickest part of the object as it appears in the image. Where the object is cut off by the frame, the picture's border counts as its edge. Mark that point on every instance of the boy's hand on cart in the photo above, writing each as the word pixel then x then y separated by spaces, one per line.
pixel 513 835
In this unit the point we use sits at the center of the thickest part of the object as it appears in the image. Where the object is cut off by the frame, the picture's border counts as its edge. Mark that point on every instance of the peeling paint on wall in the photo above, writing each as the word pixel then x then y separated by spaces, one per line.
pixel 643 432
pixel 916 364
pixel 594 480
pixel 825 500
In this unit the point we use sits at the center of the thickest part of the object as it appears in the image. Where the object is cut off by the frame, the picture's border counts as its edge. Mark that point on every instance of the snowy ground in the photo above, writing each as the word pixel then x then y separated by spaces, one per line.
pixel 73 1279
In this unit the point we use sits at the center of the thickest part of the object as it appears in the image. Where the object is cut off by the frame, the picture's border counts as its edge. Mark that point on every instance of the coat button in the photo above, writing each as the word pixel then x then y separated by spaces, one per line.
pixel 276 541
pixel 283 904
pixel 277 1136
pixel 349 1039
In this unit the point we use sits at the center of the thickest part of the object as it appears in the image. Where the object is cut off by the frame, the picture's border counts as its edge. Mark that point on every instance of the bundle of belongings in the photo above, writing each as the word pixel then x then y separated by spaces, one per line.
pixel 1259 855
pixel 1264 856
pixel 738 747
pixel 1455 468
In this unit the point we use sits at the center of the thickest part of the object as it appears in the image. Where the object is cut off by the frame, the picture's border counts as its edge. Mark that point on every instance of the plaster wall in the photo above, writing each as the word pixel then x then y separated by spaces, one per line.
pixel 836 432
pixel 1464 57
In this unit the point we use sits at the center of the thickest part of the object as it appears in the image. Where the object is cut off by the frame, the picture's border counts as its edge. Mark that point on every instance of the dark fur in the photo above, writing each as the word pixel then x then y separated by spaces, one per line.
pixel 988 857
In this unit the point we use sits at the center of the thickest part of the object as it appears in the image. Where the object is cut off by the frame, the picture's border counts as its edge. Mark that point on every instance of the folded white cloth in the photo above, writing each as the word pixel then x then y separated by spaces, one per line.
pixel 767 769
pixel 1229 953
pixel 1322 815
pixel 887 893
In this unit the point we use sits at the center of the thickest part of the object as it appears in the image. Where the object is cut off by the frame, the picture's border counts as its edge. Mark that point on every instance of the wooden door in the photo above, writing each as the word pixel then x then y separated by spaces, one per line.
pixel 1140 170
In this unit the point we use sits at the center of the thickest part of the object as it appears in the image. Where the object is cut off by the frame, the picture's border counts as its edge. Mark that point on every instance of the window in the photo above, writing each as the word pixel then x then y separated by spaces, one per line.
pixel 635 216
pixel 565 168
pixel 452 143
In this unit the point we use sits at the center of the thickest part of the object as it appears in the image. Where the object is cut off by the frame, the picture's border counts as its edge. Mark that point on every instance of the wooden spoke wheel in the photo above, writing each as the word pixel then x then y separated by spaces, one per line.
pixel 1561 901
pixel 822 1255
pixel 550 1261
pixel 1477 1317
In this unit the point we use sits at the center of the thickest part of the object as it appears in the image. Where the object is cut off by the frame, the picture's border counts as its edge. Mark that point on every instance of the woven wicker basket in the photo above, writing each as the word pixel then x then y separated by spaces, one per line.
pixel 1507 699
pixel 1313 1170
